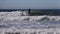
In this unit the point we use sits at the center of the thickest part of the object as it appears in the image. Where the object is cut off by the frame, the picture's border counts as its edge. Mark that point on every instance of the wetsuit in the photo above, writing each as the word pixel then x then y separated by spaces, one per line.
pixel 29 11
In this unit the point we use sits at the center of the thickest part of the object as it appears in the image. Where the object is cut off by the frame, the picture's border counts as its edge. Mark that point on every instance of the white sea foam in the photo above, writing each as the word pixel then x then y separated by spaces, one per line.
pixel 20 22
pixel 17 15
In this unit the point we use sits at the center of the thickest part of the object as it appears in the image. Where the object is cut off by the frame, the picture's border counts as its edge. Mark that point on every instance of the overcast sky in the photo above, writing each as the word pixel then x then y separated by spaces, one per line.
pixel 34 4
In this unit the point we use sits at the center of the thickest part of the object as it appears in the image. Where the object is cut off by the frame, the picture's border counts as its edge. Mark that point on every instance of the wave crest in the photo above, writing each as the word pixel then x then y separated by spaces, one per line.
pixel 19 17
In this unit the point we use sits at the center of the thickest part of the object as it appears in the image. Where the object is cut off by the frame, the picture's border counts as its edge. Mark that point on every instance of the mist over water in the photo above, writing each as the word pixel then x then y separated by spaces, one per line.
pixel 20 21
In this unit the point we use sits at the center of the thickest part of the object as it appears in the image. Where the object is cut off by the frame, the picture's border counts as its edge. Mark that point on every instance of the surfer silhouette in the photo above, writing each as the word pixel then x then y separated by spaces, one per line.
pixel 29 11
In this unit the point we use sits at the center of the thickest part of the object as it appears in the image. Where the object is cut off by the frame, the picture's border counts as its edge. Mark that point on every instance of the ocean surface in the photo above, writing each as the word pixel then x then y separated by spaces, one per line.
pixel 19 22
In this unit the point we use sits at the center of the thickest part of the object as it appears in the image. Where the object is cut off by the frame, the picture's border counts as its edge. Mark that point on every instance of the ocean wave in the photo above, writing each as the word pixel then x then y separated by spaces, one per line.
pixel 19 16
pixel 18 23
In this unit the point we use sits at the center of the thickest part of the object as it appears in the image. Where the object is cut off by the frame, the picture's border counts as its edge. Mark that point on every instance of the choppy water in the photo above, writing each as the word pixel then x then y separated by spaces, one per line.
pixel 29 24
pixel 14 21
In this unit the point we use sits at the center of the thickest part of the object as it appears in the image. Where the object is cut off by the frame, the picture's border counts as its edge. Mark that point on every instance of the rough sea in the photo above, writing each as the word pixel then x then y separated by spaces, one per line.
pixel 16 23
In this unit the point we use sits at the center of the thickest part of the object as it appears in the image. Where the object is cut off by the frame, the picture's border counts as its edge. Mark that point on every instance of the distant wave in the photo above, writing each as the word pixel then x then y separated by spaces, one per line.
pixel 20 16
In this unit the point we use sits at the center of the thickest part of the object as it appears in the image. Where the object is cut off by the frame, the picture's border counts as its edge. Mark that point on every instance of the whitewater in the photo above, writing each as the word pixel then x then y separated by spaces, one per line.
pixel 19 22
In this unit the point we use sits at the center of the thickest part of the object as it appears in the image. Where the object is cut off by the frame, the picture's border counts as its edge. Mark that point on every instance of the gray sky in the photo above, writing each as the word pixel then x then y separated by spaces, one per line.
pixel 34 4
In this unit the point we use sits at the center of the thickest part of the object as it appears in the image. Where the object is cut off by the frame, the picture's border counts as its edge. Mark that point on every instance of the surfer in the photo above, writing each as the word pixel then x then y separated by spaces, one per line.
pixel 29 11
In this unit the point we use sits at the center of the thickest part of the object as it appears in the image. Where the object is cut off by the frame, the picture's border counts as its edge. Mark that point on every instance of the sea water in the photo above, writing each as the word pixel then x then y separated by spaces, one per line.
pixel 16 23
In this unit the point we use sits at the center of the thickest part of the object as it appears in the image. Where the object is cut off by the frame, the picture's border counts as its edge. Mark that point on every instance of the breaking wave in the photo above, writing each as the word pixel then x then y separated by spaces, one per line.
pixel 20 15
pixel 19 22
